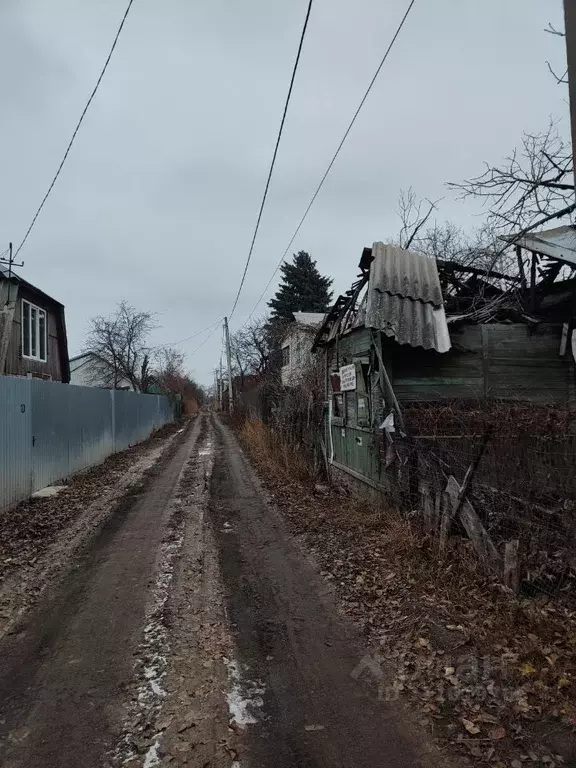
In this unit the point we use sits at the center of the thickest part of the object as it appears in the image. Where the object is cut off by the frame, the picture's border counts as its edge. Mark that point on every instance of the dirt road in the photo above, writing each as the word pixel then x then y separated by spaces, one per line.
pixel 314 711
pixel 193 631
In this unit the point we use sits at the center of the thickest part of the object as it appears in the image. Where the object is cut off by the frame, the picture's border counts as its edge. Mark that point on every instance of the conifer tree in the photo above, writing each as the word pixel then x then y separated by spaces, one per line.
pixel 302 289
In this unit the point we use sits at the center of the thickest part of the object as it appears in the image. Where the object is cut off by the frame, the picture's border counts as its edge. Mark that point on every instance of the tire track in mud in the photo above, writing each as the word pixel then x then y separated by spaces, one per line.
pixel 293 652
pixel 140 740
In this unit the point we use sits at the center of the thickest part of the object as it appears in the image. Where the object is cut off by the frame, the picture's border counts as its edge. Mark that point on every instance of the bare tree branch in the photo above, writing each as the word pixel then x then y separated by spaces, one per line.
pixel 410 212
pixel 171 378
pixel 251 349
pixel 553 31
pixel 119 345
pixel 534 183
pixel 559 80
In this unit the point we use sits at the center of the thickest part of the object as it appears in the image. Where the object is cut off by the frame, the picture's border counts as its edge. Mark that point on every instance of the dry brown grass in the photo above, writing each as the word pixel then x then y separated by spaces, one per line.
pixel 288 460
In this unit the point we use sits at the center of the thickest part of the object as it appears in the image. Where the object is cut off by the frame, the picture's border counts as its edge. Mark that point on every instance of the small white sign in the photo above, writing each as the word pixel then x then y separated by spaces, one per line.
pixel 347 378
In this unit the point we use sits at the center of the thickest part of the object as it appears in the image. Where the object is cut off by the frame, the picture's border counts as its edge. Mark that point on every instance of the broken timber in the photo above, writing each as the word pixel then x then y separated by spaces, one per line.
pixel 454 501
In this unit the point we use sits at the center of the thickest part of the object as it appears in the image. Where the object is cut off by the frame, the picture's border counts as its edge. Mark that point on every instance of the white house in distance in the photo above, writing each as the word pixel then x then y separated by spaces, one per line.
pixel 297 345
pixel 85 372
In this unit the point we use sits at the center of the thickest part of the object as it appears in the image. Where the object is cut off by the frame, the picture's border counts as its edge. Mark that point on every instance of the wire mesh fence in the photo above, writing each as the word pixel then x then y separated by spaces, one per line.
pixel 501 475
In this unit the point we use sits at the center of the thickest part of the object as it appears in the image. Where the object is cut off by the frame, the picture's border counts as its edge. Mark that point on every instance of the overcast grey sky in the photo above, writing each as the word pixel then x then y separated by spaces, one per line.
pixel 158 199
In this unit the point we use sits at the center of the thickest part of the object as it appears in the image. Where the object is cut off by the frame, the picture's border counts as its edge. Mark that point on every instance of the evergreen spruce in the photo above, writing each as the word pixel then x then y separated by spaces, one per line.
pixel 303 289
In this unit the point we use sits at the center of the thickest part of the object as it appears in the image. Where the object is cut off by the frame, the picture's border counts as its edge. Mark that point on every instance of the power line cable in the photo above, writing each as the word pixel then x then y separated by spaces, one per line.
pixel 329 168
pixel 205 340
pixel 69 147
pixel 192 336
pixel 262 204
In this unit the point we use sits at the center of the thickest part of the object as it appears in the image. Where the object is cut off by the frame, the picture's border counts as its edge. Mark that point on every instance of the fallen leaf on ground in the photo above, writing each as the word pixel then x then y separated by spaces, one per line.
pixel 470 726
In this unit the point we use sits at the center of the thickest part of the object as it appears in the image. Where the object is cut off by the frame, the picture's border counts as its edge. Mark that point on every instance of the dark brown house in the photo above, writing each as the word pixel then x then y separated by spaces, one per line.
pixel 32 332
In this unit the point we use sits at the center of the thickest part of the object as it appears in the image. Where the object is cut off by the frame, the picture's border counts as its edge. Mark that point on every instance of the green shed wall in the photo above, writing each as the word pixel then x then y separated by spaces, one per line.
pixel 353 446
pixel 495 361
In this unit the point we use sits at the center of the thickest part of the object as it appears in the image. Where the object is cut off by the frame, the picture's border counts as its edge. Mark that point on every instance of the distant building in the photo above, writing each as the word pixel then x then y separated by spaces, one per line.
pixel 297 345
pixel 86 370
pixel 33 339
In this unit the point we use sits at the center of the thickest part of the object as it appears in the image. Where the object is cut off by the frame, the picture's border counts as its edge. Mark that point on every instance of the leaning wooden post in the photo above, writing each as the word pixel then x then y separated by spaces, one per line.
pixel 511 566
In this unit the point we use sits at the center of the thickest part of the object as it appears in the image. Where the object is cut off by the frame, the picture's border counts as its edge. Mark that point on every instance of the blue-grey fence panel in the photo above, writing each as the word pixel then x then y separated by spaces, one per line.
pixel 50 430
pixel 15 440
pixel 137 415
pixel 90 427
pixel 50 425
pixel 165 411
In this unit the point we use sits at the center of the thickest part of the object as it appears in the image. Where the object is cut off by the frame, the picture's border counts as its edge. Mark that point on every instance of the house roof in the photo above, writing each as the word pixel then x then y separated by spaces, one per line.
pixel 26 284
pixel 405 274
pixel 404 298
pixel 44 298
pixel 309 319
pixel 558 243
pixel 79 357
pixel 79 360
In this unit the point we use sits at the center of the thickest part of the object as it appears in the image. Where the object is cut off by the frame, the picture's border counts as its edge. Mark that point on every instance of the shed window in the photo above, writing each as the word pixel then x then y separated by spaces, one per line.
pixel 351 408
pixel 338 412
pixel 363 392
pixel 285 356
pixel 33 332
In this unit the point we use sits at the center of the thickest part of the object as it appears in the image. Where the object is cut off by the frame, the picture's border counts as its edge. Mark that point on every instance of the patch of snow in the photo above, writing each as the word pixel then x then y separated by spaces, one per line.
pixel 244 697
pixel 208 450
pixel 50 490
pixel 152 758
pixel 152 656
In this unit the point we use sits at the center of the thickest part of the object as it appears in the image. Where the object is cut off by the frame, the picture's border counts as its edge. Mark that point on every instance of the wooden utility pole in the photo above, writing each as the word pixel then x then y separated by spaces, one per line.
pixel 570 25
pixel 221 386
pixel 229 361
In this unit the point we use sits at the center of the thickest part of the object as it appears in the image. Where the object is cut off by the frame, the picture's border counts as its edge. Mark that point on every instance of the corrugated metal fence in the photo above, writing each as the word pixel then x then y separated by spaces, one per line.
pixel 50 430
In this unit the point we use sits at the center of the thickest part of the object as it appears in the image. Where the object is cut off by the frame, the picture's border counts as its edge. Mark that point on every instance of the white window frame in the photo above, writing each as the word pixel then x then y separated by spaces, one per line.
pixel 39 312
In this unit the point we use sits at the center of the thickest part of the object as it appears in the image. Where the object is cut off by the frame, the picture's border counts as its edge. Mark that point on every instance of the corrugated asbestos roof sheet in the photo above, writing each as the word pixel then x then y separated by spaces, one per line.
pixel 405 298
pixel 406 274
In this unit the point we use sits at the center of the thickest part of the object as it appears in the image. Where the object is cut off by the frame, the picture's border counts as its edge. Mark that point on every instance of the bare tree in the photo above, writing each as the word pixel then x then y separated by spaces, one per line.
pixel 446 242
pixel 560 80
pixel 171 378
pixel 250 347
pixel 531 187
pixel 414 213
pixel 119 345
